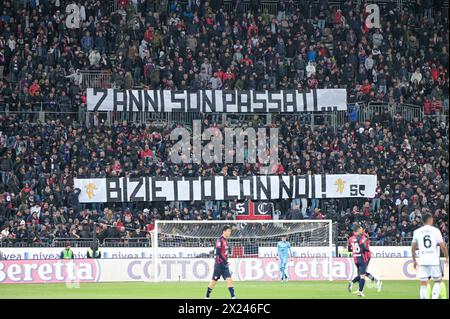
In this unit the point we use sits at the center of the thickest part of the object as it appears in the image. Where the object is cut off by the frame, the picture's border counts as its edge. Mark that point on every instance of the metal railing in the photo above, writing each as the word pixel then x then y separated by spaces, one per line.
pixel 184 118
pixel 335 119
pixel 56 242
pixel 318 118
pixel 40 114
pixel 141 118
pixel 146 242
pixel 5 243
pixel 409 112
pixel 271 6
pixel 78 243
pixel 112 6
pixel 336 4
pixel 445 8
pixel 126 242
pixel 74 242
pixel 96 79
pixel 366 112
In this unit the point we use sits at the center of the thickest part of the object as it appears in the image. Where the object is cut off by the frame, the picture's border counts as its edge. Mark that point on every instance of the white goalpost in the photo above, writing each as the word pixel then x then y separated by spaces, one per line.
pixel 183 250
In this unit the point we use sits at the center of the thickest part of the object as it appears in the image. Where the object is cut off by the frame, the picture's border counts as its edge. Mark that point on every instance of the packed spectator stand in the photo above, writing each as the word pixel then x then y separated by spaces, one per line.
pixel 191 45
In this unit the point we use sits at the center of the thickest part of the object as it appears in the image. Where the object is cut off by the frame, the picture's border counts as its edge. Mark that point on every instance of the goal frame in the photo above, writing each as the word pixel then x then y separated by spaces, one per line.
pixel 155 246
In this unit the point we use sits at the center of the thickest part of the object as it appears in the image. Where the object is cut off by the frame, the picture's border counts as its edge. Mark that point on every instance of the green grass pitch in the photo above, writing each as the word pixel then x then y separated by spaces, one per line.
pixel 196 290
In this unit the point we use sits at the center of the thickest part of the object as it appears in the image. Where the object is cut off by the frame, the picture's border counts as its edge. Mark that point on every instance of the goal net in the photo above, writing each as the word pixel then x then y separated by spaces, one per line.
pixel 184 250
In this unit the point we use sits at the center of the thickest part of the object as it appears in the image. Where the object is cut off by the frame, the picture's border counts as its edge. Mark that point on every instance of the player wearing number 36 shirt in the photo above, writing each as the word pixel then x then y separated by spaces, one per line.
pixel 358 244
pixel 426 239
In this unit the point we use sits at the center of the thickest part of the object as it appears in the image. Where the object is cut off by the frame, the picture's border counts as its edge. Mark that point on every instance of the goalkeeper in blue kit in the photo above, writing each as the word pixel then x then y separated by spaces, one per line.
pixel 283 254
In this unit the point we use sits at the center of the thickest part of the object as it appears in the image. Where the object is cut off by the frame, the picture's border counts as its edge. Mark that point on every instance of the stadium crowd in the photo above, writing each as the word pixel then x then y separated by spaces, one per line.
pixel 39 162
pixel 197 45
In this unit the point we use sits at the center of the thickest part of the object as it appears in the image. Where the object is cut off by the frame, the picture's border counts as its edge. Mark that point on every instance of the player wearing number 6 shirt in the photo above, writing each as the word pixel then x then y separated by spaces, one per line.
pixel 426 239
pixel 221 263
pixel 357 244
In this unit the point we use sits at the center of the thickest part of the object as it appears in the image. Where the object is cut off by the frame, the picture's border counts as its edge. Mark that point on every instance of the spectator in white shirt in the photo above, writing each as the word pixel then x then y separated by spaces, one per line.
pixel 94 58
pixel 310 69
pixel 369 63
pixel 36 209
pixel 377 38
pixel 416 76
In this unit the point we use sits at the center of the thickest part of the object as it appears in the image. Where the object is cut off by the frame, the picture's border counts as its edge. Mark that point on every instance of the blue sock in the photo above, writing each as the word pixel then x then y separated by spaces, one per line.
pixel 282 273
pixel 361 284
pixel 208 292
pixel 356 279
pixel 371 277
pixel 231 289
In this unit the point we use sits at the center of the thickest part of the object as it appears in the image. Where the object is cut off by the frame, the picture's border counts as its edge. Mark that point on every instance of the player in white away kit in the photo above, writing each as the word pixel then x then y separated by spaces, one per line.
pixel 427 239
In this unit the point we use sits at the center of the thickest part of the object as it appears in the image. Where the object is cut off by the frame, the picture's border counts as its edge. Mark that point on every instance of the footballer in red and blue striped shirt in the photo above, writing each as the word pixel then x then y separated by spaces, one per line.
pixel 359 245
pixel 221 263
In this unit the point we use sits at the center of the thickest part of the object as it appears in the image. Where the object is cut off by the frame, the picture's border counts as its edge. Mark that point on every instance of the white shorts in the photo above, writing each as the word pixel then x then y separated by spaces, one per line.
pixel 425 272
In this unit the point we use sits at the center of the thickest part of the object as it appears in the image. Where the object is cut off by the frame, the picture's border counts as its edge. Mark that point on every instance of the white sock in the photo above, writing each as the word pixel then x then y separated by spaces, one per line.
pixel 423 292
pixel 436 290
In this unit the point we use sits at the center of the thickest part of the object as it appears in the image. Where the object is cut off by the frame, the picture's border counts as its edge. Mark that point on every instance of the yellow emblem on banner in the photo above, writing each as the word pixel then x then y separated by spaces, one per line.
pixel 90 190
pixel 340 185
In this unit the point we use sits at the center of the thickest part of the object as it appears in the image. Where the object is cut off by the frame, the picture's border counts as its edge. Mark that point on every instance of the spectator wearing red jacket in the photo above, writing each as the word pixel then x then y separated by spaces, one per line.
pixel 220 73
pixel 229 75
pixel 334 147
pixel 427 106
pixel 149 227
pixel 117 167
pixel 435 73
pixel 34 88
pixel 338 17
pixel 119 225
pixel 312 82
pixel 436 105
pixel 252 30
pixel 318 214
pixel 366 87
pixel 278 169
pixel 146 152
pixel 247 59
pixel 209 20
pixel 148 35
pixel 155 137
pixel 322 51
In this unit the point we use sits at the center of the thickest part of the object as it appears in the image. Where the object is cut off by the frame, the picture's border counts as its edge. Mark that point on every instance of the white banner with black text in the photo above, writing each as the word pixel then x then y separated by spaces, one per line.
pixel 217 101
pixel 264 187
